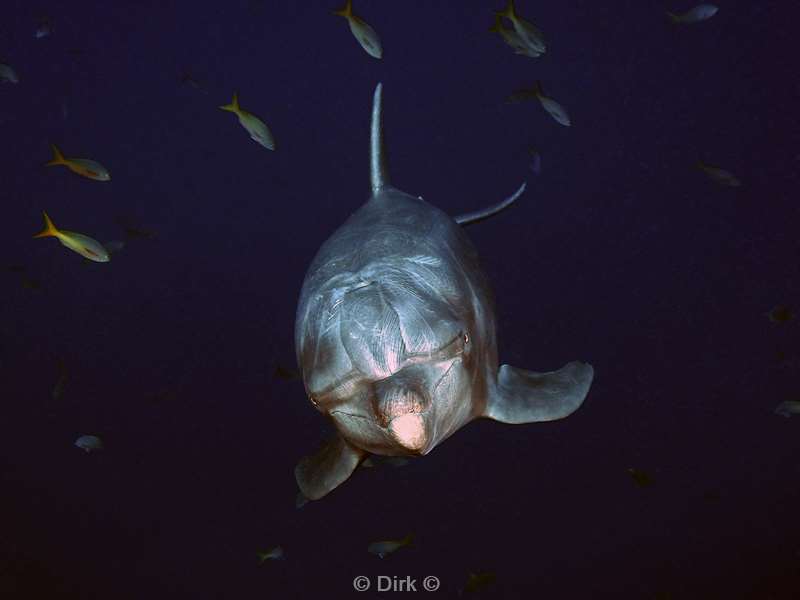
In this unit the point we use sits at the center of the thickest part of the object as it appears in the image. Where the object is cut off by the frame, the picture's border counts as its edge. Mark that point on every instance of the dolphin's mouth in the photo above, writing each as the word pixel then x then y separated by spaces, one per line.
pixel 348 414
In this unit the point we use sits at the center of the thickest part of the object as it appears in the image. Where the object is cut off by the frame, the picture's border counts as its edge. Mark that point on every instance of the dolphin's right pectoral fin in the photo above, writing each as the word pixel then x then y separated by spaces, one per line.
pixel 320 473
pixel 480 215
pixel 527 397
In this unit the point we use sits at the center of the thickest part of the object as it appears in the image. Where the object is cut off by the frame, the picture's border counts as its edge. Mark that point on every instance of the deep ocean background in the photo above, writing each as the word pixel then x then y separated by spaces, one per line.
pixel 621 253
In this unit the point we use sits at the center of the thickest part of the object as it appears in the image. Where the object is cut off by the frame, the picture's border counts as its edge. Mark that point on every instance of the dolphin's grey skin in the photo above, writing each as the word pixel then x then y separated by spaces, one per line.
pixel 395 335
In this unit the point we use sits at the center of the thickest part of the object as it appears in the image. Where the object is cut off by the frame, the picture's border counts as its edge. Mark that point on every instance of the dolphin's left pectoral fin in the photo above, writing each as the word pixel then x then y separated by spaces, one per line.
pixel 320 473
pixel 527 397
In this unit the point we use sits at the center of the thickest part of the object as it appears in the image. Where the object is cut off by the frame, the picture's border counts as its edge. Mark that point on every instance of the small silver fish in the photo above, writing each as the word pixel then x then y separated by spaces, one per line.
pixel 275 553
pixel 513 39
pixel 553 108
pixel 788 408
pixel 89 443
pixel 530 36
pixel 258 130
pixel 640 478
pixel 81 166
pixel 7 74
pixel 721 176
pixel 780 314
pixel 44 29
pixel 701 12
pixel 77 242
pixel 362 31
pixel 478 581
pixel 386 547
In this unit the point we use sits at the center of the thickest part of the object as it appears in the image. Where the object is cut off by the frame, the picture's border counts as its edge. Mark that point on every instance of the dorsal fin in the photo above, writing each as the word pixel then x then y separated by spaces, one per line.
pixel 379 176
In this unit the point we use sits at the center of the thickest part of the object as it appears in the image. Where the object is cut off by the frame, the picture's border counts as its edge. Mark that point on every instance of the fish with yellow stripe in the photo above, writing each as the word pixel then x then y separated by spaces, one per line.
pixel 258 130
pixel 362 31
pixel 77 242
pixel 82 166
pixel 525 37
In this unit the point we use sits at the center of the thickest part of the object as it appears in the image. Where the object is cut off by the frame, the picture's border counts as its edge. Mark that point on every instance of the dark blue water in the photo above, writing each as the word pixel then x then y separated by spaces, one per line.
pixel 621 253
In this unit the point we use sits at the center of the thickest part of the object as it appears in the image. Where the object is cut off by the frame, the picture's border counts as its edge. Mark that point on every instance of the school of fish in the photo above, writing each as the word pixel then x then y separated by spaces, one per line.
pixel 524 38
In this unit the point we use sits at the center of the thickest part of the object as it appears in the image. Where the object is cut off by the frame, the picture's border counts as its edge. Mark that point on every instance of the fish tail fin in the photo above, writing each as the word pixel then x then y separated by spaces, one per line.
pixel 345 12
pixel 408 539
pixel 233 106
pixel 498 24
pixel 673 18
pixel 537 89
pixel 508 12
pixel 58 158
pixel 49 229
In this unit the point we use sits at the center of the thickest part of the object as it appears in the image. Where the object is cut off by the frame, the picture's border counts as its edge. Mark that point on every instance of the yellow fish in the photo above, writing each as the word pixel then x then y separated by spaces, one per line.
pixel 526 32
pixel 7 74
pixel 257 129
pixel 275 553
pixel 788 408
pixel 701 12
pixel 721 176
pixel 780 314
pixel 513 39
pixel 81 166
pixel 640 478
pixel 553 108
pixel 478 581
pixel 366 35
pixel 77 242
pixel 386 547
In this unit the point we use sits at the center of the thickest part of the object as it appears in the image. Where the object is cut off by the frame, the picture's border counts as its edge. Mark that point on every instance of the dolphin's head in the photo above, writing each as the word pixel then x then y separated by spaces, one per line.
pixel 390 358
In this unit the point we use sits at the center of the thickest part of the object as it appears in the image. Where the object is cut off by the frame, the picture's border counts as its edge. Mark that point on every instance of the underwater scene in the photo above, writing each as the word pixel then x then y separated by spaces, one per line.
pixel 399 298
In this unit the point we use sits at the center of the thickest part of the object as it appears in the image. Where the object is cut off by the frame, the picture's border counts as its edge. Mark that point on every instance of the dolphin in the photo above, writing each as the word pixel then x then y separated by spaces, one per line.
pixel 395 335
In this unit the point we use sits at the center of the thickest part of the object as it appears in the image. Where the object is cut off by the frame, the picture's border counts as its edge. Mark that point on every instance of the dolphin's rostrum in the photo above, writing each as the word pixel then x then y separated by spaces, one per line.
pixel 395 335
